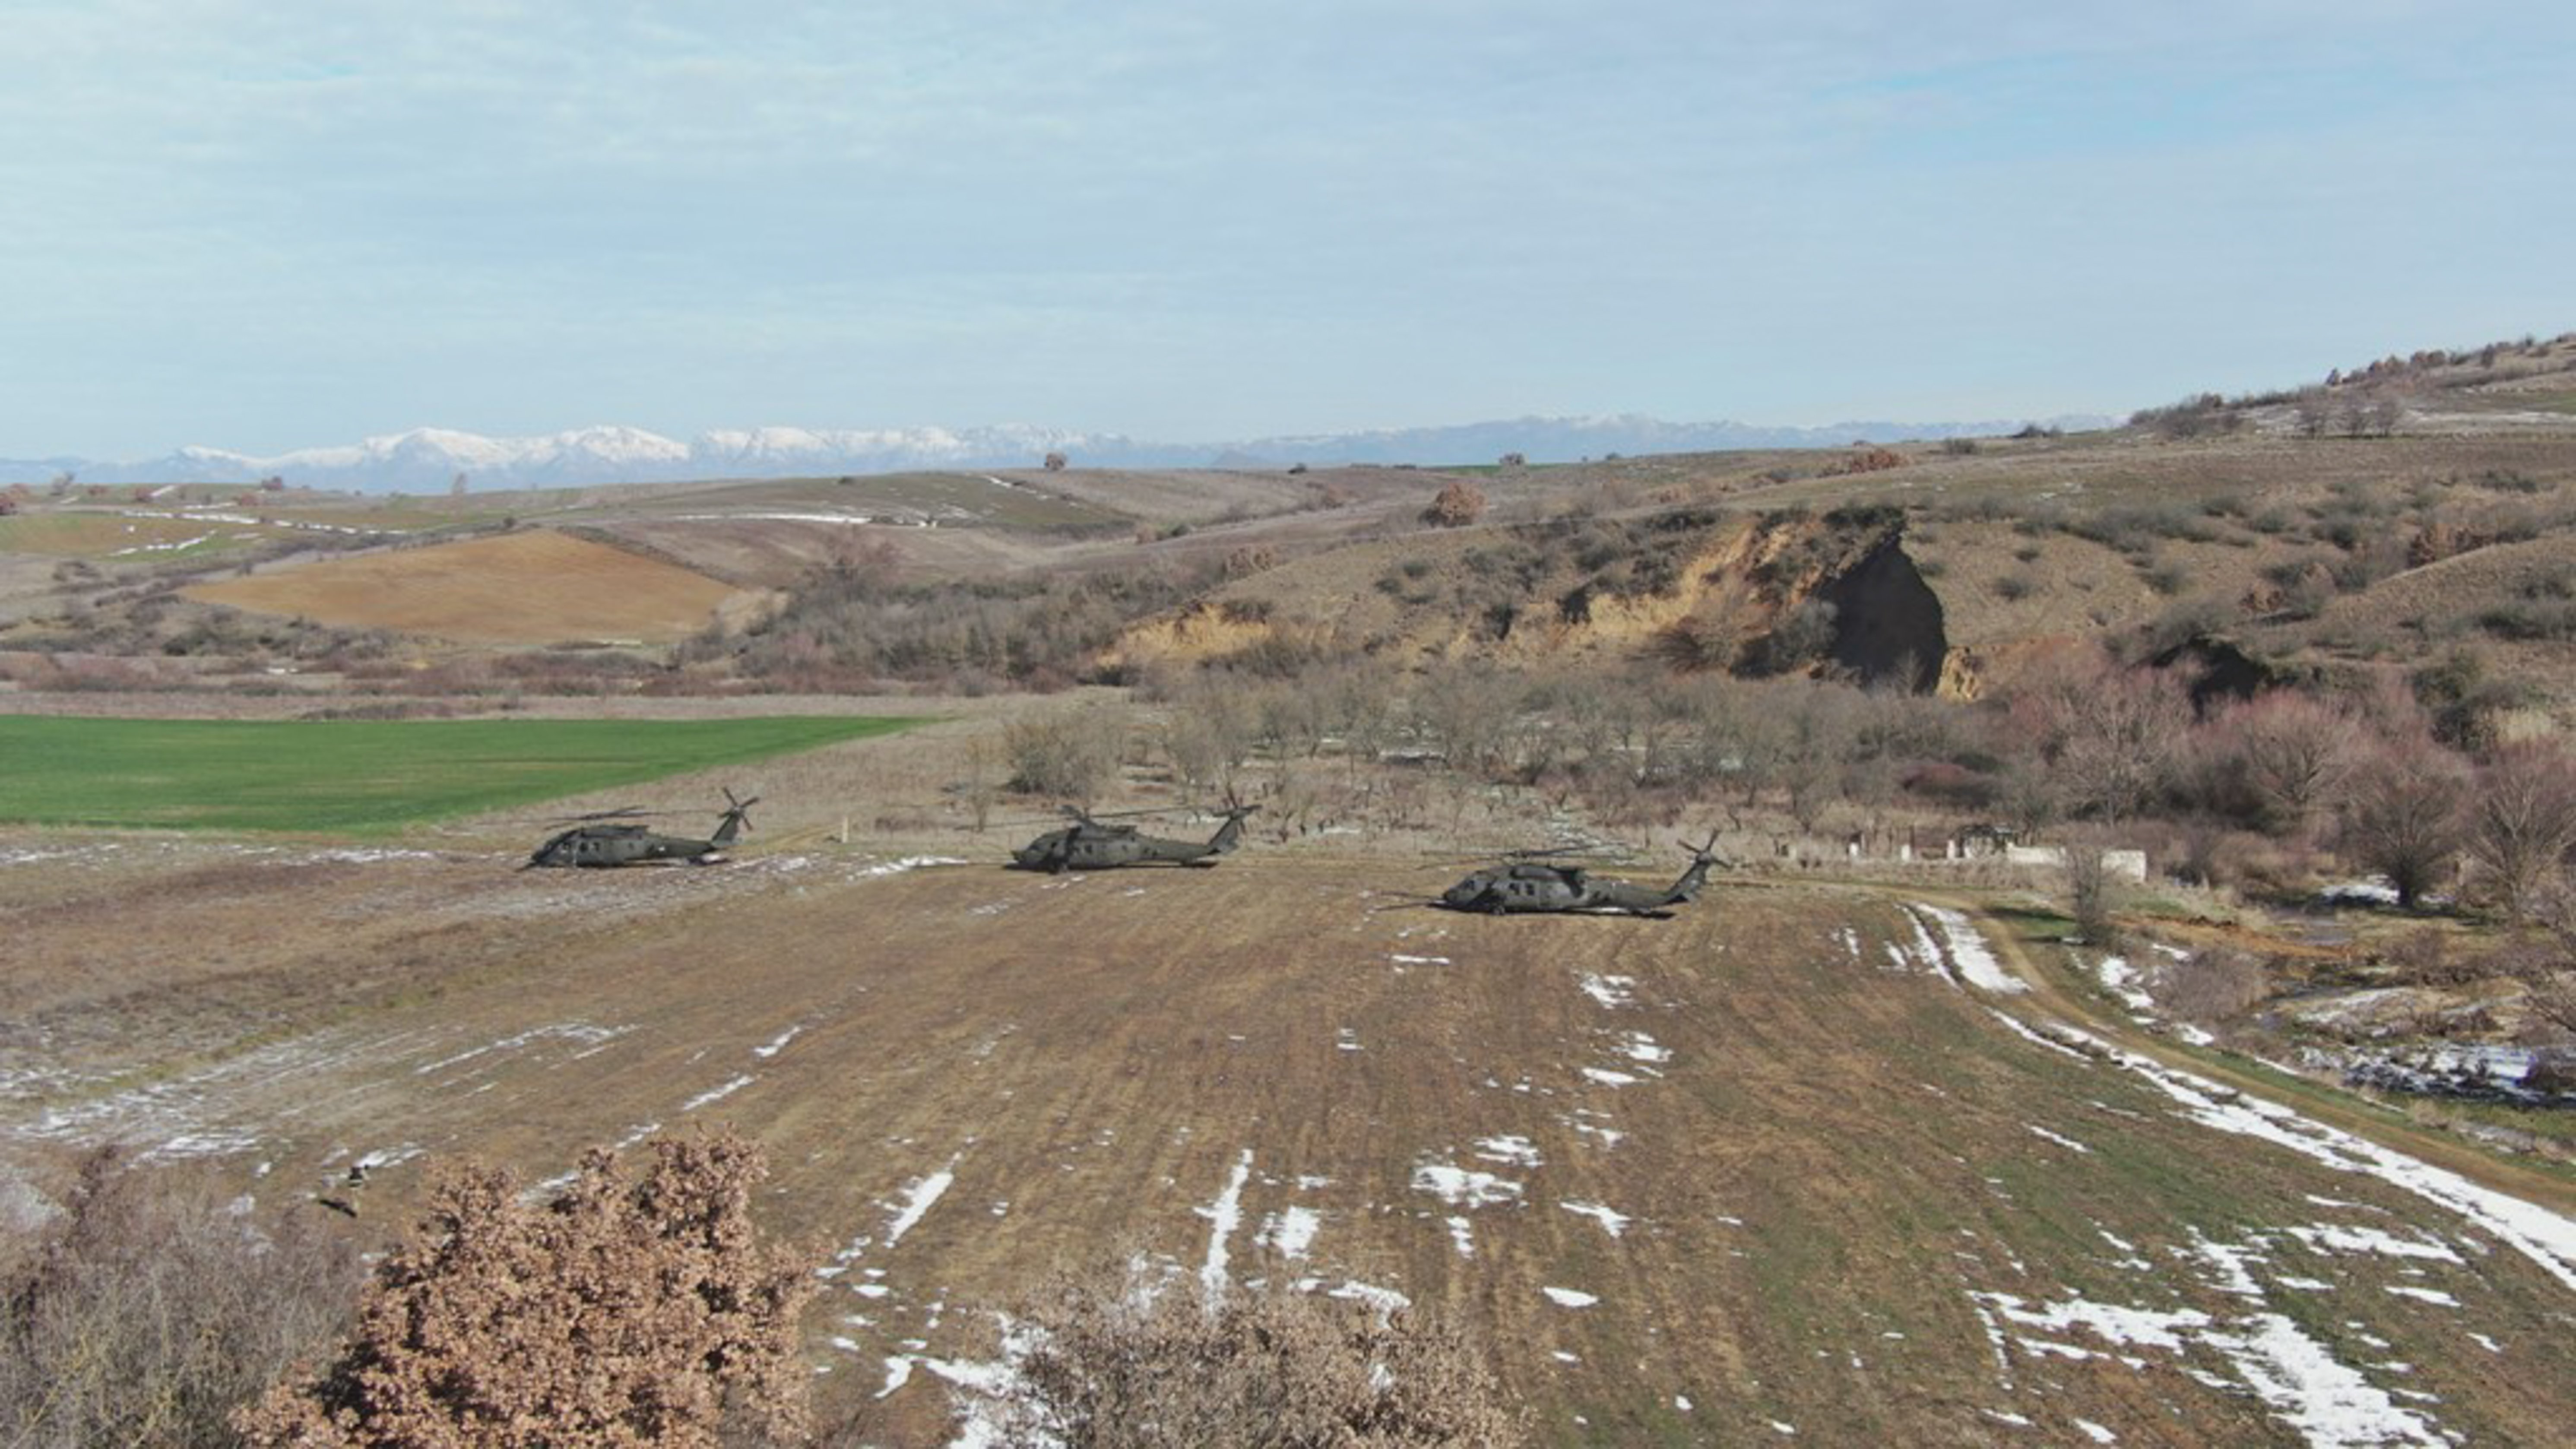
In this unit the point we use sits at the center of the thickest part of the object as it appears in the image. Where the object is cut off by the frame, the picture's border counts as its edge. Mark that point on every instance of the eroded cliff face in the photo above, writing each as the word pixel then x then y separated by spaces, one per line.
pixel 1778 593
pixel 1887 619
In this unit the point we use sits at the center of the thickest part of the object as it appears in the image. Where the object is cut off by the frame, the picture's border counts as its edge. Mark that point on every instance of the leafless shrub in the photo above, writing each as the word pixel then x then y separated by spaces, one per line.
pixel 2554 1000
pixel 2286 754
pixel 2403 816
pixel 2521 822
pixel 2212 986
pixel 148 1308
pixel 1070 753
pixel 623 1312
pixel 1113 1364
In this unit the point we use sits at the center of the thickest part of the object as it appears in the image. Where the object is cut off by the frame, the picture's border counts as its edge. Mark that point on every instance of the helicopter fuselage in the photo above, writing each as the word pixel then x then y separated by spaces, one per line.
pixel 1526 888
pixel 599 845
pixel 1089 845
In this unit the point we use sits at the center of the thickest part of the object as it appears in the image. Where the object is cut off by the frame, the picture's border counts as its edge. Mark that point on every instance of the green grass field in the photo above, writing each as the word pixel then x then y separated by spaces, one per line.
pixel 360 776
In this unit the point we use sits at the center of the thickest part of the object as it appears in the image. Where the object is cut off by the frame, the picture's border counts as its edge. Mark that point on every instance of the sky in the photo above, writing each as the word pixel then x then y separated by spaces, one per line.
pixel 263 225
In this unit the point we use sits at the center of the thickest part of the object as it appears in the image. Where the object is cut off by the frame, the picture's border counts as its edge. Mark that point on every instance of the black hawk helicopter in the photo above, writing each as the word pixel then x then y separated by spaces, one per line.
pixel 1090 843
pixel 1531 884
pixel 608 838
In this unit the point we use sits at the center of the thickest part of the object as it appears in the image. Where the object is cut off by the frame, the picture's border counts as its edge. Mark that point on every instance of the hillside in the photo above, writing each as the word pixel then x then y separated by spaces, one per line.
pixel 2292 524
pixel 534 587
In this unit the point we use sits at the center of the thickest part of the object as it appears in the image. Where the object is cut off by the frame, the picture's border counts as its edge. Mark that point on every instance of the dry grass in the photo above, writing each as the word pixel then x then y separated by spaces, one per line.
pixel 968 1078
pixel 527 587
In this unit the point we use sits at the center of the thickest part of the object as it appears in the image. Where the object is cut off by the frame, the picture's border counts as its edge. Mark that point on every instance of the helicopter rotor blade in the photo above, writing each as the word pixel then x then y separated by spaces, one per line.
pixel 1078 813
pixel 625 812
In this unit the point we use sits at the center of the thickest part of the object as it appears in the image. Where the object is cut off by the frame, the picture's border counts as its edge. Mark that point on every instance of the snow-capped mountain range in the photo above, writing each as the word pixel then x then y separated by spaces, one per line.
pixel 430 459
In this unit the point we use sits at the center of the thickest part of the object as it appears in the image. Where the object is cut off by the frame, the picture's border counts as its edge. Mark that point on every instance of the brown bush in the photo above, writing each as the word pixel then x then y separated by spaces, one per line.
pixel 149 1306
pixel 2403 816
pixel 1458 504
pixel 1068 753
pixel 2521 822
pixel 1112 1364
pixel 623 1312
pixel 1865 460
pixel 2210 987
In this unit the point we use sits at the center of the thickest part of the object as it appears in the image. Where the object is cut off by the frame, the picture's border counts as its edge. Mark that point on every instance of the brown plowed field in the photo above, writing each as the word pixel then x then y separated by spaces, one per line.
pixel 532 586
pixel 1768 1166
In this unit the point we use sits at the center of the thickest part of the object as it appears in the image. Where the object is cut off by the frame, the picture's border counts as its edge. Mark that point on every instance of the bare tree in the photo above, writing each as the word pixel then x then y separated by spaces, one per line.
pixel 2402 817
pixel 2291 751
pixel 2521 821
pixel 2109 735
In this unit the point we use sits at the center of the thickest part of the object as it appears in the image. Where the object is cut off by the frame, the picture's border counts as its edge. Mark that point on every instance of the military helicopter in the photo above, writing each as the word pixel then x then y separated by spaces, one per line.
pixel 1090 844
pixel 1532 884
pixel 608 838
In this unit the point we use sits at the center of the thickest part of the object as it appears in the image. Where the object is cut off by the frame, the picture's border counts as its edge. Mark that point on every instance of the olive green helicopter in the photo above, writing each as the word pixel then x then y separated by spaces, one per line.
pixel 1103 842
pixel 1532 883
pixel 616 837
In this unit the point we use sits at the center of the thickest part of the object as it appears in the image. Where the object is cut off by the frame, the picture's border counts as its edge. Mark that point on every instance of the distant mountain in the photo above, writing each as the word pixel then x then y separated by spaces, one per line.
pixel 428 460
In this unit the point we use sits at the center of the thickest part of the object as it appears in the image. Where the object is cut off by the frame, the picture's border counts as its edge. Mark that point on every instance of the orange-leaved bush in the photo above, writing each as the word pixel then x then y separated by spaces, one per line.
pixel 625 1311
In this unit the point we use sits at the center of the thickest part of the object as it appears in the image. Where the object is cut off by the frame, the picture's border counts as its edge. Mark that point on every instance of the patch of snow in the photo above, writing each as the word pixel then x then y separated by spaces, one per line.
pixel 580 1032
pixel 1643 1048
pixel 2328 1402
pixel 1570 1297
pixel 1510 1151
pixel 1420 960
pixel 1609 1078
pixel 2066 1142
pixel 2018 1028
pixel 898 867
pixel 719 1093
pixel 2122 1327
pixel 1224 1215
pixel 2545 1237
pixel 1462 1235
pixel 2426 1295
pixel 1969 953
pixel 2375 891
pixel 1612 1221
pixel 778 1043
pixel 1291 1231
pixel 1384 1300
pixel 1611 991
pixel 917 1200
pixel 2337 1238
pixel 2095 1432
pixel 1460 1187
pixel 2121 980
